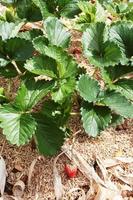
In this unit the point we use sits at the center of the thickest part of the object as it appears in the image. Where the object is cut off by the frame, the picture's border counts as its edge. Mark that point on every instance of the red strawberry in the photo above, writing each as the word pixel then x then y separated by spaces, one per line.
pixel 71 170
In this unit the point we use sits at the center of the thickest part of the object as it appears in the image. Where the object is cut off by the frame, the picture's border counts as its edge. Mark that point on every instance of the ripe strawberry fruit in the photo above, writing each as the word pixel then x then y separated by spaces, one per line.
pixel 71 170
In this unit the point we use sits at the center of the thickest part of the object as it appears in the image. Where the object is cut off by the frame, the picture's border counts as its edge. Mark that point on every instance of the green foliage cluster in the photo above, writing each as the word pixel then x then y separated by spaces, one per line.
pixel 48 74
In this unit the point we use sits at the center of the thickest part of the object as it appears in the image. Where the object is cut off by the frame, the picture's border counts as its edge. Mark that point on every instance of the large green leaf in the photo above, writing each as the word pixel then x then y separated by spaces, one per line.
pixel 125 87
pixel 119 104
pixel 30 35
pixel 30 93
pixel 43 8
pixel 95 118
pixel 26 9
pixel 17 127
pixel 18 49
pixel 99 50
pixel 88 88
pixel 49 136
pixel 9 30
pixel 66 66
pixel 56 32
pixel 42 65
pixel 122 34
pixel 69 8
pixel 63 90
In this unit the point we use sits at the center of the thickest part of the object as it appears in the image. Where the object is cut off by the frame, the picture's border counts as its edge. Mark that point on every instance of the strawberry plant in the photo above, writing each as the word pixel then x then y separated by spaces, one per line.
pixel 50 78
pixel 35 10
pixel 58 72
pixel 109 49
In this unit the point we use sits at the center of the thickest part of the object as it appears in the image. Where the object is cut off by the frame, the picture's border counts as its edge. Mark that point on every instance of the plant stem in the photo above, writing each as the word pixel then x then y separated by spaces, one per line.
pixel 75 113
pixel 16 67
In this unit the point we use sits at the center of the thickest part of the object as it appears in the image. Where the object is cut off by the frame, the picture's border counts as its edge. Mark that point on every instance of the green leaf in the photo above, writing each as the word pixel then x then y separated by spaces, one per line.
pixel 17 127
pixel 116 120
pixel 63 90
pixel 122 34
pixel 30 93
pixel 70 9
pixel 40 44
pixel 95 118
pixel 88 88
pixel 8 71
pixel 19 49
pixel 125 87
pixel 49 136
pixel 26 9
pixel 118 71
pixel 119 104
pixel 66 66
pixel 30 35
pixel 42 65
pixel 9 30
pixel 56 112
pixel 99 50
pixel 91 13
pixel 43 8
pixel 56 32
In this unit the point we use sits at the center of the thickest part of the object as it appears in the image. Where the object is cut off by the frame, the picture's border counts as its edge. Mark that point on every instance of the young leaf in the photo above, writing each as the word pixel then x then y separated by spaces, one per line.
pixel 56 32
pixel 42 65
pixel 95 118
pixel 30 93
pixel 17 127
pixel 122 34
pixel 9 30
pixel 119 104
pixel 49 136
pixel 125 87
pixel 88 88
pixel 98 51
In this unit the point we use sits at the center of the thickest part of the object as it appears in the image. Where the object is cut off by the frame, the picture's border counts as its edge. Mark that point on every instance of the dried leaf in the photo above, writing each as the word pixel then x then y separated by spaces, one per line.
pixel 8 197
pixel 125 160
pixel 3 174
pixel 104 194
pixel 102 168
pixel 91 193
pixel 31 169
pixel 119 173
pixel 108 163
pixel 18 188
pixel 58 187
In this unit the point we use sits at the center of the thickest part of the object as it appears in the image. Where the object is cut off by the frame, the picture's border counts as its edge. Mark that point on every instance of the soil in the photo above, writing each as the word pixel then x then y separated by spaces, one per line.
pixel 111 143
